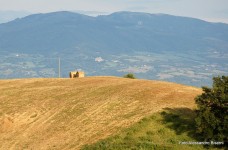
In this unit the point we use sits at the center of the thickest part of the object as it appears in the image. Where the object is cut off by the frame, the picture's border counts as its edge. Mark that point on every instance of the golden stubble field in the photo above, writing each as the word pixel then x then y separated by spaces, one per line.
pixel 68 113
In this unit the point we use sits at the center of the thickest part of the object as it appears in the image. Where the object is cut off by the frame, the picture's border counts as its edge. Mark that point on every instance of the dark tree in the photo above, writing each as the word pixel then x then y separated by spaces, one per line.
pixel 130 75
pixel 212 113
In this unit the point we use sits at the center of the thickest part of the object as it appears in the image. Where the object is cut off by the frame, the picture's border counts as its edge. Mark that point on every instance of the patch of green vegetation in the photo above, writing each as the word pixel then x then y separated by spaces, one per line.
pixel 212 114
pixel 130 75
pixel 164 130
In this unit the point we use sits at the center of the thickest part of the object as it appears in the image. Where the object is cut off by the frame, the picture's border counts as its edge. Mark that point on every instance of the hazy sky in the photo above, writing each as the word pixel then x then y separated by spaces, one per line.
pixel 211 10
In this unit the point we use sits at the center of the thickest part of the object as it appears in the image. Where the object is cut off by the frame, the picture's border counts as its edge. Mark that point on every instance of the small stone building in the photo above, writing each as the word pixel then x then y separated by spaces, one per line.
pixel 77 74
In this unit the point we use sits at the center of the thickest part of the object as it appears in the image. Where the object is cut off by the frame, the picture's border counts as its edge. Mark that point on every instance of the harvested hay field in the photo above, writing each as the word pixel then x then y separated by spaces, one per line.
pixel 69 113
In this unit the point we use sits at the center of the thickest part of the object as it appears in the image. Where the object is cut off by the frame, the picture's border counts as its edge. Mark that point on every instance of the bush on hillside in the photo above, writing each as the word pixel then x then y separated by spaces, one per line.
pixel 212 113
pixel 130 75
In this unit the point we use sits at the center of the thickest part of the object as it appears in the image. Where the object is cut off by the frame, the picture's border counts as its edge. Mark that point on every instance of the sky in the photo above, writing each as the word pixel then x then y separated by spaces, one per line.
pixel 209 10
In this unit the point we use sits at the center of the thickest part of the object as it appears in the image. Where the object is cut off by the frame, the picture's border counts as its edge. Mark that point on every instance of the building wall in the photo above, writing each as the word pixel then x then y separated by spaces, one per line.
pixel 76 74
pixel 80 74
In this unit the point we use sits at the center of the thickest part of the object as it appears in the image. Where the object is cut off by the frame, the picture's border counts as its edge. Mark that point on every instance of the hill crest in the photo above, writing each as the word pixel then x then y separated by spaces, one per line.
pixel 68 113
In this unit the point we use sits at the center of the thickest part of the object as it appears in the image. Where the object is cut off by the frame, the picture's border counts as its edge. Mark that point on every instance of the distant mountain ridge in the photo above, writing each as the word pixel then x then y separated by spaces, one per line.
pixel 117 32
pixel 152 46
pixel 6 16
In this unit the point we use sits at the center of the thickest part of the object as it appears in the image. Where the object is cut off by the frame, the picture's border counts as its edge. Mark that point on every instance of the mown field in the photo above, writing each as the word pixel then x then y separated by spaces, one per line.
pixel 69 113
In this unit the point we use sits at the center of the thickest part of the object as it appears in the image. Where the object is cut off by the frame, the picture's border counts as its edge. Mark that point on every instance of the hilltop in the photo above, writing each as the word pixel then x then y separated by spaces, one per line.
pixel 69 113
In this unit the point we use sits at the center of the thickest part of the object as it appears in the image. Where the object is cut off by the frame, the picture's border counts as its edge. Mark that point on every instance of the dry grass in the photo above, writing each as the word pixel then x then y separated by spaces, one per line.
pixel 68 113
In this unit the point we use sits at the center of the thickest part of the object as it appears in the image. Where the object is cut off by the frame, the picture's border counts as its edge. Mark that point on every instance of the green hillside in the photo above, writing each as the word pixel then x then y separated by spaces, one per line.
pixel 169 130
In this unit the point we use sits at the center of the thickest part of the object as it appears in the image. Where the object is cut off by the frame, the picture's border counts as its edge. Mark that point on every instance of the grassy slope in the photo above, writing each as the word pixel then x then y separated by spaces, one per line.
pixel 68 113
pixel 161 131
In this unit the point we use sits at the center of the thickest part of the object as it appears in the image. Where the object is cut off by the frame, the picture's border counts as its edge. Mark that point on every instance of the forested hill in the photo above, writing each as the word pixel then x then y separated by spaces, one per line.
pixel 117 32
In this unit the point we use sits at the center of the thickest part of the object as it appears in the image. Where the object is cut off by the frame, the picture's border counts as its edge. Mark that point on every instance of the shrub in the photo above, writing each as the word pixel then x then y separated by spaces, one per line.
pixel 212 113
pixel 130 75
